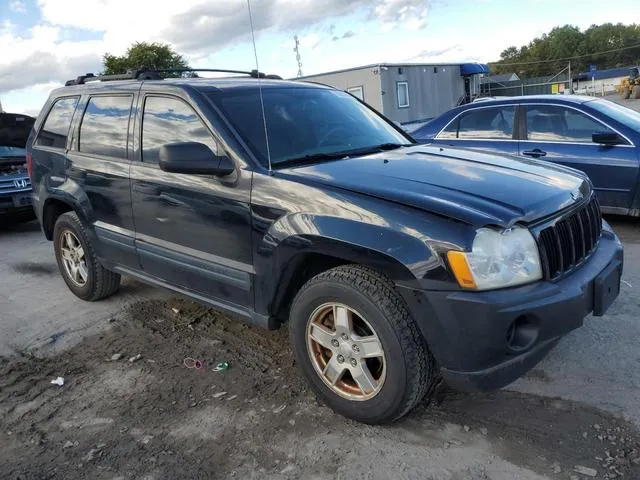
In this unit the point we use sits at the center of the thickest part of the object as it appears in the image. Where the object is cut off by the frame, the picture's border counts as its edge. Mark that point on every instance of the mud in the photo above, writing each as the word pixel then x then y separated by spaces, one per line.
pixel 154 418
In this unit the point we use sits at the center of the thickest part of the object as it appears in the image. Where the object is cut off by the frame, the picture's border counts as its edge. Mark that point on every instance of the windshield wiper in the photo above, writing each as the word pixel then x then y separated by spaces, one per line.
pixel 316 157
pixel 319 157
pixel 390 146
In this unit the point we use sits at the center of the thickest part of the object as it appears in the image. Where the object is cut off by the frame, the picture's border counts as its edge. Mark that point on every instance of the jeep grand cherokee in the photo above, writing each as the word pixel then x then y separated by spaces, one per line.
pixel 394 264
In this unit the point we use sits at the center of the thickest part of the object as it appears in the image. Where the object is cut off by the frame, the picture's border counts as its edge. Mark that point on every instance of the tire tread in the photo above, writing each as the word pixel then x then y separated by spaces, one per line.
pixel 106 282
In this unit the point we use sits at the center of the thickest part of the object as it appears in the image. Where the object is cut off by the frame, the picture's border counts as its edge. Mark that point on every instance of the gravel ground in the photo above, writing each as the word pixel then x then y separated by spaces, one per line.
pixel 154 418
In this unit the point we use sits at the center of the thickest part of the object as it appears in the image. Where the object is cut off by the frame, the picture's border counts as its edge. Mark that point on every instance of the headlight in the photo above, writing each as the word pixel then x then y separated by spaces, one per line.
pixel 497 260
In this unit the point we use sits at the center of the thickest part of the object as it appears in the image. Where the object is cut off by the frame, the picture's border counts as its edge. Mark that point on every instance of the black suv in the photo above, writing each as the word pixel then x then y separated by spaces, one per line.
pixel 15 185
pixel 394 264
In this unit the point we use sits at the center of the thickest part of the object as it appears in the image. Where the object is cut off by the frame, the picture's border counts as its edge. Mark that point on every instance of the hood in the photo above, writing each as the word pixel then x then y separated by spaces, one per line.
pixel 473 187
pixel 15 129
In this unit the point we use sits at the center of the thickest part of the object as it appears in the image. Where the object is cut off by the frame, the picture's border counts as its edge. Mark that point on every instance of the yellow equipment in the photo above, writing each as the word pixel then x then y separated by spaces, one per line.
pixel 630 86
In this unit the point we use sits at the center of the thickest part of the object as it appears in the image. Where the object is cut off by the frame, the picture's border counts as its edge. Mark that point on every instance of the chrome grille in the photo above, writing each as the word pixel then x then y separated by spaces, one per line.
pixel 9 184
pixel 570 240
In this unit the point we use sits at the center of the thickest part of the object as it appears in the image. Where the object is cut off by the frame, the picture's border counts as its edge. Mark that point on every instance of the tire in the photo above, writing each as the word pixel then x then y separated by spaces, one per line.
pixel 100 282
pixel 625 93
pixel 636 92
pixel 408 369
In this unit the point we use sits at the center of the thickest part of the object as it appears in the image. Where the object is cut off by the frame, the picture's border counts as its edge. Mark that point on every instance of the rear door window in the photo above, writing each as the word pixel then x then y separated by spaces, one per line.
pixel 551 123
pixel 56 127
pixel 169 120
pixel 494 123
pixel 104 126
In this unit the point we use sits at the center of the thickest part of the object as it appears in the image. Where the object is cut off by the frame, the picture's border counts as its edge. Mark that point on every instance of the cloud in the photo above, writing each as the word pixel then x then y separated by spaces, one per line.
pixel 195 28
pixel 347 34
pixel 40 57
pixel 17 6
pixel 393 11
pixel 45 67
pixel 210 26
pixel 435 52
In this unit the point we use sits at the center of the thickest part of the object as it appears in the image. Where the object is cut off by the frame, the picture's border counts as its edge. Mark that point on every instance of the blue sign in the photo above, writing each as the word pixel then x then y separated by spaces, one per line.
pixel 592 69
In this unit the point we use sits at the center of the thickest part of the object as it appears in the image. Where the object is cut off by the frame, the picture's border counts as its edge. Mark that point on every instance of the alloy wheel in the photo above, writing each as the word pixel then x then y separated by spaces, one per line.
pixel 73 258
pixel 346 352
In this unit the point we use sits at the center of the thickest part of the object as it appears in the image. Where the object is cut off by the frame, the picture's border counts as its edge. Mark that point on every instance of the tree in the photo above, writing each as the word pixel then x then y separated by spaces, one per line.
pixel 144 55
pixel 548 54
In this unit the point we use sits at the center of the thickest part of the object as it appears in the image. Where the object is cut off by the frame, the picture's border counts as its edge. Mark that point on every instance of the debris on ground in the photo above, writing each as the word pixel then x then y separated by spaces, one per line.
pixel 91 454
pixel 193 363
pixel 232 397
pixel 135 358
pixel 221 367
pixel 115 357
pixel 280 408
pixel 68 444
pixel 175 310
pixel 589 472
pixel 58 381
pixel 219 394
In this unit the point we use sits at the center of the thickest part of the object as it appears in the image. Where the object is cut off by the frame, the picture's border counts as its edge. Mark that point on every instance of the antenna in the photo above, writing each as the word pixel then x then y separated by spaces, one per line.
pixel 264 117
pixel 297 50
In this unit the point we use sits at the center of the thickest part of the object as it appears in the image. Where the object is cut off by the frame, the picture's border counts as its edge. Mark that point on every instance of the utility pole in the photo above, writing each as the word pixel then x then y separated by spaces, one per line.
pixel 570 79
pixel 298 58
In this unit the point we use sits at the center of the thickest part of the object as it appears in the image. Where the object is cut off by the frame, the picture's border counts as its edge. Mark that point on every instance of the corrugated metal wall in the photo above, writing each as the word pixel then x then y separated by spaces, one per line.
pixel 433 89
pixel 362 77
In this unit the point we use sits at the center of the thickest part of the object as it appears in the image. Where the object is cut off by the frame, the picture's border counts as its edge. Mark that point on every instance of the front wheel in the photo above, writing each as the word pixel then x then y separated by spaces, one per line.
pixel 78 263
pixel 358 346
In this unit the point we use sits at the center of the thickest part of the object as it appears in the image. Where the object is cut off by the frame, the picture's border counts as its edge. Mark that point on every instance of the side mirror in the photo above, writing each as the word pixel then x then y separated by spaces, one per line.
pixel 194 158
pixel 607 138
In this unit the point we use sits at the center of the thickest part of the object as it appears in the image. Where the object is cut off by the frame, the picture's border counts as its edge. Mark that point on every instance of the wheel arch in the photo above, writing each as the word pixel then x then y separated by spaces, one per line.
pixel 285 267
pixel 51 210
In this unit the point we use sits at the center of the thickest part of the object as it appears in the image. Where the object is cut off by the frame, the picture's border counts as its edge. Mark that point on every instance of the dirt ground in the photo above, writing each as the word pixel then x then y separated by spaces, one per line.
pixel 154 418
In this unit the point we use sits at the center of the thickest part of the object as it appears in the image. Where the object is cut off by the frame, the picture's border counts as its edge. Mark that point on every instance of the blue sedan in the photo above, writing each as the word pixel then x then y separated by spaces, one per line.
pixel 597 136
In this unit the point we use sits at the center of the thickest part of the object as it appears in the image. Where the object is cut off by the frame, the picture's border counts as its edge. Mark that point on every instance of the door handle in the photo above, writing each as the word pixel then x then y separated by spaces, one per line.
pixel 535 153
pixel 147 189
pixel 169 200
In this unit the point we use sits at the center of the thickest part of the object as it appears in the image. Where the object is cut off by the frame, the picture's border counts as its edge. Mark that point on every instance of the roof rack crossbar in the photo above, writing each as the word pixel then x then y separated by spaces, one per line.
pixel 154 74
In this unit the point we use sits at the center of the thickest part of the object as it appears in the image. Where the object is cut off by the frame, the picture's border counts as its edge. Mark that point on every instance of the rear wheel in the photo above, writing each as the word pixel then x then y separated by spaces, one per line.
pixel 78 263
pixel 358 346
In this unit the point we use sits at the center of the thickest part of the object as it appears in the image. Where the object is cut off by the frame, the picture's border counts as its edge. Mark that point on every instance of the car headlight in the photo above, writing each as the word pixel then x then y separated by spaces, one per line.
pixel 497 259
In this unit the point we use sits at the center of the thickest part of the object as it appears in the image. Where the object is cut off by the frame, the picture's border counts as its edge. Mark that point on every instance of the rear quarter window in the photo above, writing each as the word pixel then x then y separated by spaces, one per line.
pixel 56 127
pixel 105 125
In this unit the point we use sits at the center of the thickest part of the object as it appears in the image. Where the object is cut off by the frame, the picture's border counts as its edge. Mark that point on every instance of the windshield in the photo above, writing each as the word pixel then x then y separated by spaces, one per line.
pixel 622 114
pixel 304 122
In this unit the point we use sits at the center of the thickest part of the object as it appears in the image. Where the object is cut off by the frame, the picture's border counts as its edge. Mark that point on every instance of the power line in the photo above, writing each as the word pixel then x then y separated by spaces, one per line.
pixel 569 58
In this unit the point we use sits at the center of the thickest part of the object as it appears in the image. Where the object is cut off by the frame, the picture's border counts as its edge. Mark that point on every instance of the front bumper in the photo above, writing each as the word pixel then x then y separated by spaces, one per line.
pixel 16 203
pixel 471 334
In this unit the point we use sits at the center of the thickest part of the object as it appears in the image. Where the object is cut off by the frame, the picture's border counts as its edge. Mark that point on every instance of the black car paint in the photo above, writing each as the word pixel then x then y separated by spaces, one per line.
pixel 239 242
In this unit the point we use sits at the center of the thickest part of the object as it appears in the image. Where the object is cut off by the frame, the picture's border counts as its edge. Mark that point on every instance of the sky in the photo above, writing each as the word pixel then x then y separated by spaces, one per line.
pixel 45 42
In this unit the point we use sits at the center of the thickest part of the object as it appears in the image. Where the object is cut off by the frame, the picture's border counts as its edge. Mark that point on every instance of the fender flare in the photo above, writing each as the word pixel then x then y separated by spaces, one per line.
pixel 401 255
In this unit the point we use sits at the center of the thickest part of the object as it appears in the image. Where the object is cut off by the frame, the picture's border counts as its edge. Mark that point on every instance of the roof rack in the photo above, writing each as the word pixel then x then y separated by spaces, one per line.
pixel 143 74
